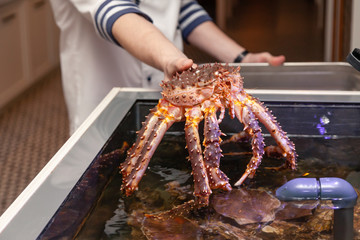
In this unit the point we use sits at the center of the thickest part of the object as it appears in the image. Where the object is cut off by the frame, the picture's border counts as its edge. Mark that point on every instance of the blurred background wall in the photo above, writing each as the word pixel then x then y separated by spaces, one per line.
pixel 303 30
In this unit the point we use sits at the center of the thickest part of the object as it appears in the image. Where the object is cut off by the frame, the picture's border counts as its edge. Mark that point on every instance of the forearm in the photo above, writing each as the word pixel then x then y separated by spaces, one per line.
pixel 144 41
pixel 209 38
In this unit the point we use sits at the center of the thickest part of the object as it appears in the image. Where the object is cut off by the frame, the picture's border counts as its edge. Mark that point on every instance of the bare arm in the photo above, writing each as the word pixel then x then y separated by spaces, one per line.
pixel 209 38
pixel 144 41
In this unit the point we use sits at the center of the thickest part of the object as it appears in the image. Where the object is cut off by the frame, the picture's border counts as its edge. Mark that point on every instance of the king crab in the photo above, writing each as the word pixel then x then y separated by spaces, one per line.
pixel 196 95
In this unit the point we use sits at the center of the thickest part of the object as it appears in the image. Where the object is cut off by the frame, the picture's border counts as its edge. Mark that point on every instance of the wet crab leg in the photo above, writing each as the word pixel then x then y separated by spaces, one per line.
pixel 269 121
pixel 251 126
pixel 143 135
pixel 212 151
pixel 150 135
pixel 201 182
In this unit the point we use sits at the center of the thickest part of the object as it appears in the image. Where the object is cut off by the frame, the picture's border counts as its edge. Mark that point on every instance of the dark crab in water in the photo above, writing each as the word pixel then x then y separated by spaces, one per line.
pixel 196 95
pixel 238 214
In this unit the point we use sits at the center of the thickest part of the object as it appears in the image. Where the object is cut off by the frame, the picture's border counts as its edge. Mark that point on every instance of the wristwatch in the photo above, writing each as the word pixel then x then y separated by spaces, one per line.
pixel 241 56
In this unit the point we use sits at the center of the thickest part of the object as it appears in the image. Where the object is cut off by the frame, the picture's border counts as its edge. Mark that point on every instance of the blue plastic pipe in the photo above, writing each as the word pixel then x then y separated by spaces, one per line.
pixel 342 194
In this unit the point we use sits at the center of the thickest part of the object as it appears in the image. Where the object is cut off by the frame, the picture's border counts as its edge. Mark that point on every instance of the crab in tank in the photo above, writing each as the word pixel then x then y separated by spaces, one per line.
pixel 204 93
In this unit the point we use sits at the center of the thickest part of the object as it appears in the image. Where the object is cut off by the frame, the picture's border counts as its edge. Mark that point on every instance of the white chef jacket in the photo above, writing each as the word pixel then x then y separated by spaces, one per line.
pixel 92 62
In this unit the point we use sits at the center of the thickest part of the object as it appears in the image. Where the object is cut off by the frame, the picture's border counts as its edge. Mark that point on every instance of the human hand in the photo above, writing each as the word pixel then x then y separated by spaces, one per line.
pixel 178 64
pixel 264 57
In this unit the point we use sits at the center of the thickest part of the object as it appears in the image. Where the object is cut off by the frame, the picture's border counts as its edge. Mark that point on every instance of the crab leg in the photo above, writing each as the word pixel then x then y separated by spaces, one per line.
pixel 212 151
pixel 251 126
pixel 265 116
pixel 201 182
pixel 153 130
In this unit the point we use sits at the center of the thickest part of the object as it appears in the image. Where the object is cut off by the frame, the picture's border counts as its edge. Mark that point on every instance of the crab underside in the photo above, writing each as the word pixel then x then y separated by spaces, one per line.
pixel 201 94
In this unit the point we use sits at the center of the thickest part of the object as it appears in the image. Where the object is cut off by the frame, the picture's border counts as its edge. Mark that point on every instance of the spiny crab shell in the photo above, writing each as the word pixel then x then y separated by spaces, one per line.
pixel 196 95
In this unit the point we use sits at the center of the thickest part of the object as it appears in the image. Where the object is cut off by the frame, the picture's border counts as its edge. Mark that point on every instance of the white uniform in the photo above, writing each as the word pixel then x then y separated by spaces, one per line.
pixel 92 62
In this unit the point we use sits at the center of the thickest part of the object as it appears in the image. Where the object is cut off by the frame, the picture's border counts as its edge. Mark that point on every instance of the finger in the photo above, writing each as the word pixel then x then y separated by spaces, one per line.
pixel 277 61
pixel 265 57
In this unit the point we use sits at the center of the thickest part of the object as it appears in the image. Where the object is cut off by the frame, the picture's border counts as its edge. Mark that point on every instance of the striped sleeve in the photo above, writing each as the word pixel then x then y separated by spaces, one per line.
pixel 191 16
pixel 109 11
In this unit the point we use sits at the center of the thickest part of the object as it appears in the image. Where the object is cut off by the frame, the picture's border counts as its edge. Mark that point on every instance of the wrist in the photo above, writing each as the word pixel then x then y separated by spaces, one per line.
pixel 241 56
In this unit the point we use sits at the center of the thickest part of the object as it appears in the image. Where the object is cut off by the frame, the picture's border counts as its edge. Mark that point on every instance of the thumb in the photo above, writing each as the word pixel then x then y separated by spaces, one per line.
pixel 184 64
pixel 178 65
